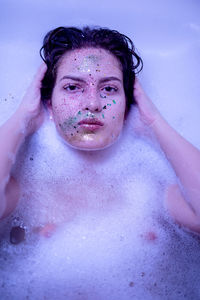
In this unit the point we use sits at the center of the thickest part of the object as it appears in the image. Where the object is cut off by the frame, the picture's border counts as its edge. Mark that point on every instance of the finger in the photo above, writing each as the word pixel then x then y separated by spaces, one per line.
pixel 39 76
pixel 137 84
pixel 33 90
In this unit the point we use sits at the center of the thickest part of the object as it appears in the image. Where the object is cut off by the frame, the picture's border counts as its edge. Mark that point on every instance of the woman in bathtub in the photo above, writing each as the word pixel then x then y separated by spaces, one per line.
pixel 88 82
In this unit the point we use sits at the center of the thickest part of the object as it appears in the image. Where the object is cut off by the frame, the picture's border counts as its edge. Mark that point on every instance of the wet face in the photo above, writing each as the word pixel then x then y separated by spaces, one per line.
pixel 88 99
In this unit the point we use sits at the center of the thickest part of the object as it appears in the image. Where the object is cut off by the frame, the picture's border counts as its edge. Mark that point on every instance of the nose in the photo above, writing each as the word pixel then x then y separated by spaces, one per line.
pixel 92 102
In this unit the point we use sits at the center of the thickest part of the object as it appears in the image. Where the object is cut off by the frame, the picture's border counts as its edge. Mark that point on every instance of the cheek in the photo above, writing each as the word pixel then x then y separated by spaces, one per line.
pixel 116 110
pixel 67 106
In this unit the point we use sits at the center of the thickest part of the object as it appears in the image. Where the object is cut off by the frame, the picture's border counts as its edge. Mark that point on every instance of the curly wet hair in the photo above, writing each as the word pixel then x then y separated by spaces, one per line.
pixel 62 39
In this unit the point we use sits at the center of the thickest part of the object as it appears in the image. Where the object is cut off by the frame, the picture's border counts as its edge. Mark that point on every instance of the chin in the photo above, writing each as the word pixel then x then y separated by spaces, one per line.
pixel 92 145
pixel 89 146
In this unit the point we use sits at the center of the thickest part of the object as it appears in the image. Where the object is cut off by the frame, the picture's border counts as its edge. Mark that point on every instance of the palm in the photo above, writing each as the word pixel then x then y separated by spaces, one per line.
pixel 148 111
pixel 31 105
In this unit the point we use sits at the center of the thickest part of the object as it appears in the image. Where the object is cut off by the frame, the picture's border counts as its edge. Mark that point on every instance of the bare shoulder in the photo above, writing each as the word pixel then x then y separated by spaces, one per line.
pixel 12 195
pixel 180 209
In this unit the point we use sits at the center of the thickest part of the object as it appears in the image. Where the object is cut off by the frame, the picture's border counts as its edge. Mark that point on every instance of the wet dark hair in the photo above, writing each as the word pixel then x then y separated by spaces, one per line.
pixel 62 39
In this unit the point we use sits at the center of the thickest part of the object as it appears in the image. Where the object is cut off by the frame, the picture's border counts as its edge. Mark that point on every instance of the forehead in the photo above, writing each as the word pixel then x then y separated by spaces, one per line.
pixel 86 60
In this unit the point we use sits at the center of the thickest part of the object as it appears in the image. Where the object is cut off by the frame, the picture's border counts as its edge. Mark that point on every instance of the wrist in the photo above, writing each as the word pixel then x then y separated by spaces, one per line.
pixel 158 123
pixel 20 120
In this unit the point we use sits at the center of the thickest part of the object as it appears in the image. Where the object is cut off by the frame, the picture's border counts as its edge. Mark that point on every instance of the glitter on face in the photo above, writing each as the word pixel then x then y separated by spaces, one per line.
pixel 86 64
pixel 69 115
pixel 114 101
pixel 88 137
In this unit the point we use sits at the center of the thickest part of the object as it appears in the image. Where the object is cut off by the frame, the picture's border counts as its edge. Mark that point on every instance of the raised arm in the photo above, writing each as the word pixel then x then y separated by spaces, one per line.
pixel 22 123
pixel 183 199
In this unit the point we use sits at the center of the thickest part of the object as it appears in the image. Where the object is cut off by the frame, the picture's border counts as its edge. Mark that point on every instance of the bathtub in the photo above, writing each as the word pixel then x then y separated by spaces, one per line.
pixel 124 252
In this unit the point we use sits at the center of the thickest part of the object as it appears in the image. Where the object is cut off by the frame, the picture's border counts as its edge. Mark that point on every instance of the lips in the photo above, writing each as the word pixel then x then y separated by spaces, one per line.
pixel 91 124
pixel 91 121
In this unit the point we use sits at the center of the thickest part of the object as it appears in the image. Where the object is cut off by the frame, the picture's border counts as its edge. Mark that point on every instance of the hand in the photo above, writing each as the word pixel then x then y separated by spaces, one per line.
pixel 31 109
pixel 147 110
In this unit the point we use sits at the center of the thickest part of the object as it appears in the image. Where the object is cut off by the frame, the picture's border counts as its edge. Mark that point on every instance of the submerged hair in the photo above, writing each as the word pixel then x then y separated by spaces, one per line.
pixel 62 39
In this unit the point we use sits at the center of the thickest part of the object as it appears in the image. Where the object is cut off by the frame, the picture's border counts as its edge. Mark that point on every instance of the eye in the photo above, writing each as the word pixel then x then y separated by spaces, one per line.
pixel 72 88
pixel 109 89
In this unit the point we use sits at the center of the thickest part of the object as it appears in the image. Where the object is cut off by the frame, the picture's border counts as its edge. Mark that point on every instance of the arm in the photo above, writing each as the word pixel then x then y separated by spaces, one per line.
pixel 22 123
pixel 184 203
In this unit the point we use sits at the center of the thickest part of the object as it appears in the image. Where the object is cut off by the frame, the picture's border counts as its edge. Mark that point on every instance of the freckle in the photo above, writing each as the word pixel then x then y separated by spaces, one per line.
pixel 114 101
pixel 71 134
pixel 90 74
pixel 104 107
pixel 77 131
pixel 59 124
pixel 74 126
pixel 131 284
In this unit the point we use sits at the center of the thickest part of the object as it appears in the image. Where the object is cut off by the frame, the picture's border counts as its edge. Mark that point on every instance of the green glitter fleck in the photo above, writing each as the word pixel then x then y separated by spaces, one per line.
pixel 109 104
pixel 103 116
pixel 114 101
pixel 79 113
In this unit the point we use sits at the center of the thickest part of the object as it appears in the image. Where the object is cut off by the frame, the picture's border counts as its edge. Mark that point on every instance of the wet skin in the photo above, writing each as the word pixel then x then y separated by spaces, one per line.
pixel 88 89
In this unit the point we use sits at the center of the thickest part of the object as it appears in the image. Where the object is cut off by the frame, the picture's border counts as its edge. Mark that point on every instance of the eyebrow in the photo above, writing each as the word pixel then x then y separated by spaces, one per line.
pixel 106 79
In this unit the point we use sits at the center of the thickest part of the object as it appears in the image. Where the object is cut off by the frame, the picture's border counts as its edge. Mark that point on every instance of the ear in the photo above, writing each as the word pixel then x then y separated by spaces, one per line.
pixel 49 109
